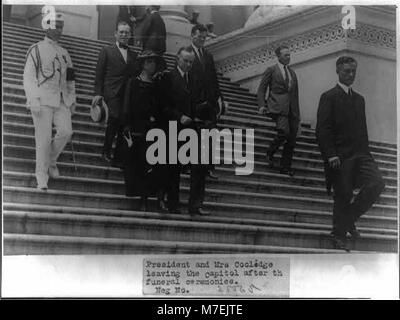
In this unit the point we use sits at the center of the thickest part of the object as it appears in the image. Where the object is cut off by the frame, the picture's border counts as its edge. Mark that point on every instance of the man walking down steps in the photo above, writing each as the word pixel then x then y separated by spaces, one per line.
pixel 49 84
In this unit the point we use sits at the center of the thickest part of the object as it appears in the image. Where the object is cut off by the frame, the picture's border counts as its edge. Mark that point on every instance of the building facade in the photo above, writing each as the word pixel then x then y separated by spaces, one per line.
pixel 247 36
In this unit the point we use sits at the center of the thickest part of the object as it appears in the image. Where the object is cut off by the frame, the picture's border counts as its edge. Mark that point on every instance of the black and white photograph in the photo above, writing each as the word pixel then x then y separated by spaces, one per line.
pixel 198 149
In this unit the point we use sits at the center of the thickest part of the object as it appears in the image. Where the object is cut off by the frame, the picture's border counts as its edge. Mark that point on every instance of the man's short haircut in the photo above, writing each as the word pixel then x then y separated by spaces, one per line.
pixel 122 23
pixel 279 49
pixel 345 59
pixel 187 49
pixel 155 8
pixel 200 27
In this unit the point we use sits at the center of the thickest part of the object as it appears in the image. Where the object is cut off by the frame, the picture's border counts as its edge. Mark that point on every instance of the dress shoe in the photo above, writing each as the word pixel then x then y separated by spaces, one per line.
pixel 53 172
pixel 339 243
pixel 42 187
pixel 354 233
pixel 270 160
pixel 287 171
pixel 212 175
pixel 162 207
pixel 199 212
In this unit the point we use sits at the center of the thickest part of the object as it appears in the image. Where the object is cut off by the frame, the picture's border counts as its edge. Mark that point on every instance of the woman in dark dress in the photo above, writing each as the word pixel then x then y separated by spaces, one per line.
pixel 141 113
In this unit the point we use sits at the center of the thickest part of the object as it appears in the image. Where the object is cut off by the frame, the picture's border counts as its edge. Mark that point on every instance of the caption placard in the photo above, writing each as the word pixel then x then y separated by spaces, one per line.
pixel 230 276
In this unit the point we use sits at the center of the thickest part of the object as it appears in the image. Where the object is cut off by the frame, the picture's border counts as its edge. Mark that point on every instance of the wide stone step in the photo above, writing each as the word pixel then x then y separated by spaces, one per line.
pixel 91 166
pixel 171 218
pixel 76 53
pixel 82 114
pixel 113 201
pixel 82 142
pixel 32 244
pixel 94 133
pixel 86 85
pixel 84 184
pixel 227 213
pixel 78 58
pixel 13 75
pixel 94 140
pixel 261 124
pixel 82 121
pixel 262 136
pixel 234 116
pixel 88 74
pixel 187 231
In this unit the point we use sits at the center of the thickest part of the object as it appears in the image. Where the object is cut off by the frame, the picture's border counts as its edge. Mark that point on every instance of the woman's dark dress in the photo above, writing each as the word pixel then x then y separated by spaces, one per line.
pixel 141 113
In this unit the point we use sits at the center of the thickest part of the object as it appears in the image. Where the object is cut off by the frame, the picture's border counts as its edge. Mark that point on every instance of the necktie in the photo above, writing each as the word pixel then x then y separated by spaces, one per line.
pixel 201 53
pixel 201 56
pixel 286 76
pixel 350 92
pixel 186 79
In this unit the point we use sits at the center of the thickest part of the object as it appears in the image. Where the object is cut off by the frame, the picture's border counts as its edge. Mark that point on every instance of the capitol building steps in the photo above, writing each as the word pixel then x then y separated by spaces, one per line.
pixel 85 211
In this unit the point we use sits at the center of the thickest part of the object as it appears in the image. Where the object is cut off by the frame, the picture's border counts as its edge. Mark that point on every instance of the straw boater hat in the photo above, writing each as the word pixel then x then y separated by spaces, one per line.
pixel 99 112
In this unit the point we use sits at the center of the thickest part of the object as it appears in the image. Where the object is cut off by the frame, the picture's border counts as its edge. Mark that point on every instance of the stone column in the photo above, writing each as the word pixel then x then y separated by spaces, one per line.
pixel 177 25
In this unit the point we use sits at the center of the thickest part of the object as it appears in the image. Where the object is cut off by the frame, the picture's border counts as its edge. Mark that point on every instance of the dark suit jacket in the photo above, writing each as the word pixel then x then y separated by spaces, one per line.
pixel 341 124
pixel 154 34
pixel 207 77
pixel 179 98
pixel 341 127
pixel 112 72
pixel 280 97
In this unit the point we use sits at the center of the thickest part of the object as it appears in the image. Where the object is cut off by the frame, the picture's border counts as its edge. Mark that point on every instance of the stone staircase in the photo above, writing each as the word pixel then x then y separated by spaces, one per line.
pixel 85 210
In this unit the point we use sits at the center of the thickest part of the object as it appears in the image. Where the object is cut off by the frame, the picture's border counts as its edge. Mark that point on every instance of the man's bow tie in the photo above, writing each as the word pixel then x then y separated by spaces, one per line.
pixel 123 46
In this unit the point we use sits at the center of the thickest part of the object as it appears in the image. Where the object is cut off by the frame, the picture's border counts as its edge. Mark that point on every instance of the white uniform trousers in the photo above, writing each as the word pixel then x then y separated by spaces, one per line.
pixel 47 148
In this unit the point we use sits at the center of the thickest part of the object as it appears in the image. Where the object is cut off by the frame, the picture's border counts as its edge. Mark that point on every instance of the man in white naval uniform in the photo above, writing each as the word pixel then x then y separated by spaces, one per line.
pixel 50 93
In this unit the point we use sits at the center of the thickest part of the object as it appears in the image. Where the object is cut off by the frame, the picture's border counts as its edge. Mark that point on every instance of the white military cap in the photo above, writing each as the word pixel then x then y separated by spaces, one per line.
pixel 50 18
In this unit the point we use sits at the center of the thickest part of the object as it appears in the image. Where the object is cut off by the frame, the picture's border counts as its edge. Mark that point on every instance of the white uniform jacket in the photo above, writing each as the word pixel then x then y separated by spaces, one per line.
pixel 45 75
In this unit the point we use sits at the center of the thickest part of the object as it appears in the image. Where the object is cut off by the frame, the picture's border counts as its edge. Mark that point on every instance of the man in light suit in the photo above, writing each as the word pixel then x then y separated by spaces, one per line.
pixel 115 65
pixel 50 95
pixel 283 106
pixel 342 136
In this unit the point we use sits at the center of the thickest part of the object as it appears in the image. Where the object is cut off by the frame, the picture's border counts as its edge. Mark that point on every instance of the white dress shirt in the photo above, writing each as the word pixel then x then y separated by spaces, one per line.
pixel 282 68
pixel 196 50
pixel 344 87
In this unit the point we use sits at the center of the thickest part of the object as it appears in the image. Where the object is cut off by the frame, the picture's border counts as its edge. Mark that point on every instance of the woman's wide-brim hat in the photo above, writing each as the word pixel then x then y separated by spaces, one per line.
pixel 99 112
pixel 148 54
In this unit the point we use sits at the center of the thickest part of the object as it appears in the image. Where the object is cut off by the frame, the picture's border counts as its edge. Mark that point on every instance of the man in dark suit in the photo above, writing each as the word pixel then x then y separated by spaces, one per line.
pixel 343 140
pixel 204 69
pixel 182 97
pixel 115 65
pixel 282 106
pixel 153 32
